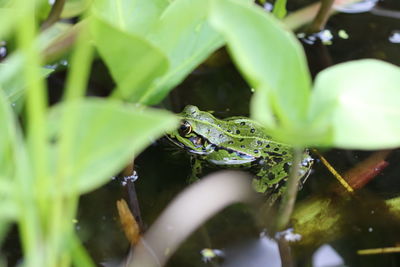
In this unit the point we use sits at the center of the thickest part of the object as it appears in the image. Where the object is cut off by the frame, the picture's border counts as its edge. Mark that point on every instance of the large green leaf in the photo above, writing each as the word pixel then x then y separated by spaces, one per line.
pixel 270 58
pixel 133 62
pixel 106 134
pixel 134 16
pixel 179 29
pixel 359 101
pixel 184 34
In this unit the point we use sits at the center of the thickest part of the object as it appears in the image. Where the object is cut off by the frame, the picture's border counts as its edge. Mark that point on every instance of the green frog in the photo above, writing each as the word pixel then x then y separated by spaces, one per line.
pixel 236 142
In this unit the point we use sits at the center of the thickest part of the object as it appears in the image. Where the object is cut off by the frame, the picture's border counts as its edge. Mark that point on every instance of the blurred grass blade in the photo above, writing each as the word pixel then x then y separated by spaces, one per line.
pixel 359 102
pixel 7 138
pixel 106 136
pixel 80 256
pixel 133 62
pixel 10 164
pixel 269 56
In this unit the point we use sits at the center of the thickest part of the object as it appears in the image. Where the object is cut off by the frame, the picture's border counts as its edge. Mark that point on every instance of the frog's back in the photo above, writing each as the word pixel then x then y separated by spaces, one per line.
pixel 259 142
pixel 246 127
pixel 239 134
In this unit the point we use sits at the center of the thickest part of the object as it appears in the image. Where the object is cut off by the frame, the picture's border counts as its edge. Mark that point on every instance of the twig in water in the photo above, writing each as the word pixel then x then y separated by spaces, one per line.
pixel 322 16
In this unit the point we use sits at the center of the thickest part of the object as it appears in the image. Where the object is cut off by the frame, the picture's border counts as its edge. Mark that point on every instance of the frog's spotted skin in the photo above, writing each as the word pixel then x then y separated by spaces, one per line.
pixel 235 142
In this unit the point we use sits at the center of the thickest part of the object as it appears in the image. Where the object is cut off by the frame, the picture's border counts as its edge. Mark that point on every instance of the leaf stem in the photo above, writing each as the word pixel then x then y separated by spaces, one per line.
pixel 54 15
pixel 322 16
pixel 280 9
pixel 289 198
pixel 64 206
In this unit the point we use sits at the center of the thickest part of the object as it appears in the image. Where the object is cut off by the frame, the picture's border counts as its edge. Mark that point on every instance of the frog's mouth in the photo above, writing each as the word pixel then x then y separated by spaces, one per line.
pixel 192 145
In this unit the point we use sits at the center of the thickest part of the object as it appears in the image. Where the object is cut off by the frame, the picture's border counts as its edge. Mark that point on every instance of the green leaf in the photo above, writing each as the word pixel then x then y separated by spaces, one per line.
pixel 5 226
pixel 8 16
pixel 358 102
pixel 179 30
pixel 48 36
pixel 269 57
pixel 186 37
pixel 134 16
pixel 106 135
pixel 134 63
pixel 259 105
pixel 73 8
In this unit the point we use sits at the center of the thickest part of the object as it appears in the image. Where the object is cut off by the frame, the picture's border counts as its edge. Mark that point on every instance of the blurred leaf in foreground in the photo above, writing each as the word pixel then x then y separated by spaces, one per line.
pixel 359 102
pixel 106 134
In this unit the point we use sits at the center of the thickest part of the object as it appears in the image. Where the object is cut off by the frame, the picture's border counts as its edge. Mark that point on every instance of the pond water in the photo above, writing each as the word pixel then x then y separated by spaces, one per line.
pixel 217 86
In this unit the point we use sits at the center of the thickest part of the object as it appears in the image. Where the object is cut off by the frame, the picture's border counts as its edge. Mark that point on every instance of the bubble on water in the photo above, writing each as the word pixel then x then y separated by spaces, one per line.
pixel 268 6
pixel 289 235
pixel 326 256
pixel 51 66
pixel 326 37
pixel 208 254
pixel 343 34
pixel 301 35
pixel 395 37
pixel 3 51
pixel 129 179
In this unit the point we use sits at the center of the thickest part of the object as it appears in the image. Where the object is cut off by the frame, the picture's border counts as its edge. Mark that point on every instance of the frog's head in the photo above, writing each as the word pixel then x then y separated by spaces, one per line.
pixel 186 135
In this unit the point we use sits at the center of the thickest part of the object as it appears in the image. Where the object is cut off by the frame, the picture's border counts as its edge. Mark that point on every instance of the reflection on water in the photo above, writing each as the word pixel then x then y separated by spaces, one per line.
pixel 326 256
pixel 395 37
pixel 358 7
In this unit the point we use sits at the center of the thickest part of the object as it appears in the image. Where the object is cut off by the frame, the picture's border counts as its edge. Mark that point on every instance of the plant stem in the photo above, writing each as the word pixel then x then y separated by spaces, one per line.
pixel 322 16
pixel 303 16
pixel 285 252
pixel 54 15
pixel 280 9
pixel 62 44
pixel 286 208
pixel 66 202
pixel 34 182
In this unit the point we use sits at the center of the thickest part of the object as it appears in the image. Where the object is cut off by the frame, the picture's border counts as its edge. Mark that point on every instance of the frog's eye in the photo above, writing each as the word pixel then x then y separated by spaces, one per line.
pixel 185 128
